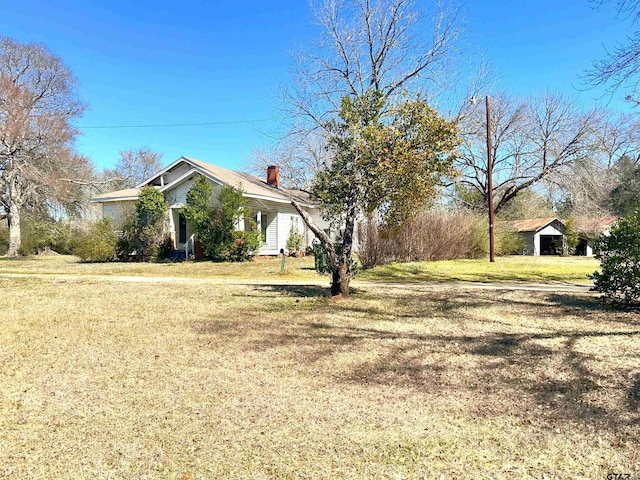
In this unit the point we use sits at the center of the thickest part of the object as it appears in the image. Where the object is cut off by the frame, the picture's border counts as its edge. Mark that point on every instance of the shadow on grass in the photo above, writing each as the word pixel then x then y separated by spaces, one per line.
pixel 429 341
pixel 293 290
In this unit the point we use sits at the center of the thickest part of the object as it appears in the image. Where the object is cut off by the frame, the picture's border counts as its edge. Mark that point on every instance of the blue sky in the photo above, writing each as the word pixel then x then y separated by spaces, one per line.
pixel 150 63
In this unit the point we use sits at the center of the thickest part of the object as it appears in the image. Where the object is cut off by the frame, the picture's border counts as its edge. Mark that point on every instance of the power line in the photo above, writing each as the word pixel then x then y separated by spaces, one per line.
pixel 175 124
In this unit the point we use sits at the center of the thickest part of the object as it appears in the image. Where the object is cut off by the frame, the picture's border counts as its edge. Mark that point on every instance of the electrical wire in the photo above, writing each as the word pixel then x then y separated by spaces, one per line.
pixel 174 124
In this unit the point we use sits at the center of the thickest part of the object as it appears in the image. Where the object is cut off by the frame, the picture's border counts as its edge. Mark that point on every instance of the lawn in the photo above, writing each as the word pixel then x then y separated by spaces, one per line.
pixel 517 268
pixel 102 379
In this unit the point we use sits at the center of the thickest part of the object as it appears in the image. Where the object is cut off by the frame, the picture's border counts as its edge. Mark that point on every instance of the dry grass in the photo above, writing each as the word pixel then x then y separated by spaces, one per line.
pixel 265 269
pixel 107 380
pixel 518 268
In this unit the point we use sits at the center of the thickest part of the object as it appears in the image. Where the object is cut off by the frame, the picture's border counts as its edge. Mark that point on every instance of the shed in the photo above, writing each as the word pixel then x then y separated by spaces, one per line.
pixel 588 230
pixel 542 236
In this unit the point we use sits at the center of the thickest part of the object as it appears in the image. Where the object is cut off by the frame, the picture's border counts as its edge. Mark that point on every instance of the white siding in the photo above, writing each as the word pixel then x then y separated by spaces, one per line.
pixel 272 231
pixel 176 172
pixel 116 210
pixel 178 195
pixel 550 230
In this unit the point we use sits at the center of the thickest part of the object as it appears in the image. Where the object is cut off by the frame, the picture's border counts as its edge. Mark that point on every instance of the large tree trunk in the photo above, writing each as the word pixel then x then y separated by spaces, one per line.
pixel 340 278
pixel 14 231
pixel 340 266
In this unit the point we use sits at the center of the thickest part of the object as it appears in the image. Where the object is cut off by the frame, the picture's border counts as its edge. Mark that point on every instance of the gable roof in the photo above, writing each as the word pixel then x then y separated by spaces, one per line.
pixel 252 186
pixel 126 194
pixel 530 224
pixel 594 226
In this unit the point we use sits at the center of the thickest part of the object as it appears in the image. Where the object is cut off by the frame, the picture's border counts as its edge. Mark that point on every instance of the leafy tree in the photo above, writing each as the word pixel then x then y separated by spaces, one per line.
pixel 214 224
pixel 619 255
pixel 386 159
pixel 38 166
pixel 391 46
pixel 146 233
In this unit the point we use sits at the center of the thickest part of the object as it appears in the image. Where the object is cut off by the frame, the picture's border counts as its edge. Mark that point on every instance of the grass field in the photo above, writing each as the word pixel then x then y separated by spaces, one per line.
pixel 518 268
pixel 102 379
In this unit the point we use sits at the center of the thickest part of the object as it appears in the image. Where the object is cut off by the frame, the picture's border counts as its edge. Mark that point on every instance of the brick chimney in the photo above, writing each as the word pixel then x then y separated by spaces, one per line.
pixel 273 176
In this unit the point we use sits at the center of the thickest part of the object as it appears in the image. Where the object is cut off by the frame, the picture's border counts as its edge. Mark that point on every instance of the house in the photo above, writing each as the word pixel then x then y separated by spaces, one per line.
pixel 588 230
pixel 271 203
pixel 542 236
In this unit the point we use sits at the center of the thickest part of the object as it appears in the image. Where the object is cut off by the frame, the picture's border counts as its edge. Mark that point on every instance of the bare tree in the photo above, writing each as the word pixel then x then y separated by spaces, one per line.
pixel 133 167
pixel 38 100
pixel 373 56
pixel 299 157
pixel 392 46
pixel 584 188
pixel 620 68
pixel 532 139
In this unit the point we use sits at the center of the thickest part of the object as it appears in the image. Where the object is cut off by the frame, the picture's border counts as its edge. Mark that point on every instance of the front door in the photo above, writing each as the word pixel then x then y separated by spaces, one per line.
pixel 182 228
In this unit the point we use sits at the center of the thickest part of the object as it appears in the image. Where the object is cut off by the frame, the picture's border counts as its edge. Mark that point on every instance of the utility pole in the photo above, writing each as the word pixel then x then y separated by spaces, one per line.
pixel 492 252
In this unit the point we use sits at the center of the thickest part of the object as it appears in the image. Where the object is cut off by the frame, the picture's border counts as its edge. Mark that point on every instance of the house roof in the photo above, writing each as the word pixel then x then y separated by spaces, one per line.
pixel 251 185
pixel 530 224
pixel 594 226
pixel 126 194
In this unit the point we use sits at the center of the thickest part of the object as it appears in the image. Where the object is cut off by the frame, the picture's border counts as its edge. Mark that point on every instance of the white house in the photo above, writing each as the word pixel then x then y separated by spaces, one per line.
pixel 271 202
pixel 542 236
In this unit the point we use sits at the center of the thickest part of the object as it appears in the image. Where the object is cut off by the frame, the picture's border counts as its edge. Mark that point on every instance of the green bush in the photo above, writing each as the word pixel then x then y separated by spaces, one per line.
pixel 480 238
pixel 244 245
pixel 294 240
pixel 98 243
pixel 145 235
pixel 572 237
pixel 508 242
pixel 40 233
pixel 215 225
pixel 619 255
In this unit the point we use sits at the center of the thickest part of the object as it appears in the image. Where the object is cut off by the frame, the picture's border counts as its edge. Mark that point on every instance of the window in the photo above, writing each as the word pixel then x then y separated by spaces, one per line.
pixel 263 226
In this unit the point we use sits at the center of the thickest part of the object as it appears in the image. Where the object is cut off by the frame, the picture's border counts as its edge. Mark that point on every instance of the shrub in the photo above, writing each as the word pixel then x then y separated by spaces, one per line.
pixel 619 255
pixel 98 243
pixel 244 245
pixel 151 222
pixel 41 233
pixel 215 225
pixel 145 232
pixel 572 237
pixel 509 242
pixel 294 240
pixel 4 238
pixel 433 235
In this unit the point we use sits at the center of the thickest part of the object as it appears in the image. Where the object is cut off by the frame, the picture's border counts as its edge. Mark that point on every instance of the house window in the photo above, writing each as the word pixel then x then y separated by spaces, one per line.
pixel 263 226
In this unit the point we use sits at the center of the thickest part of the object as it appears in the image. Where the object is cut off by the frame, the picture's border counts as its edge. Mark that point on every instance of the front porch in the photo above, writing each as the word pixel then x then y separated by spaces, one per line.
pixel 181 230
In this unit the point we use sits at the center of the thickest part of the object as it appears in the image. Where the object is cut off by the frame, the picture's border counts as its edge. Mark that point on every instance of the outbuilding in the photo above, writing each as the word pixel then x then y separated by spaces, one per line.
pixel 542 236
pixel 589 229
